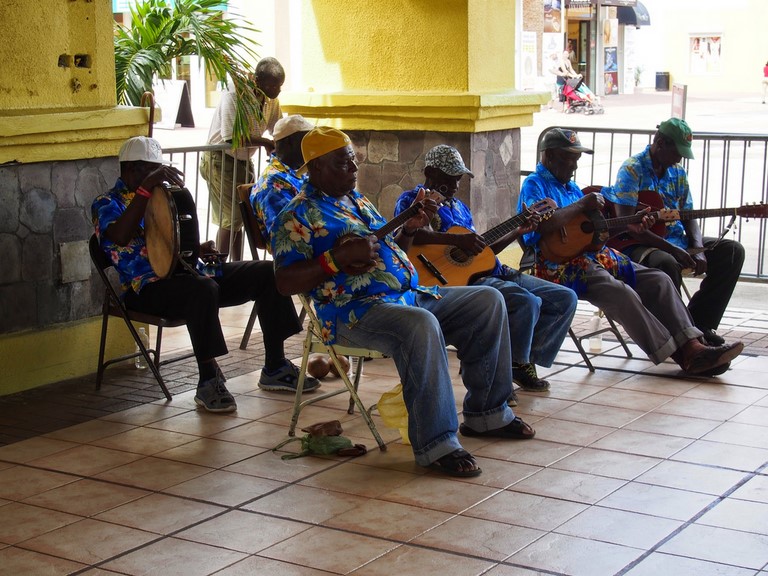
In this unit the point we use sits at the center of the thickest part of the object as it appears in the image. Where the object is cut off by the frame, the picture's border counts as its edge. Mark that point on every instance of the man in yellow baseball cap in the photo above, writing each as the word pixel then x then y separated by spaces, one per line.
pixel 328 242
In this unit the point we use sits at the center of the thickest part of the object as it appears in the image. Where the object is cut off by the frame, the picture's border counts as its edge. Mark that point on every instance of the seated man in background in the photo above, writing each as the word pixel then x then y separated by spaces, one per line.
pixel 328 242
pixel 540 312
pixel 118 217
pixel 658 168
pixel 279 183
pixel 643 300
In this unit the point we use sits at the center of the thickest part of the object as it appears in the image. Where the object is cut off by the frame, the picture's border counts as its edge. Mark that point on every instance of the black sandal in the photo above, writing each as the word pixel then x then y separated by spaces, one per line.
pixel 453 464
pixel 517 430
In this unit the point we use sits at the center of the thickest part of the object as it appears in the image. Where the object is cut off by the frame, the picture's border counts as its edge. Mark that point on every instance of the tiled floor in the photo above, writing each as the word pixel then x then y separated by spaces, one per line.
pixel 634 470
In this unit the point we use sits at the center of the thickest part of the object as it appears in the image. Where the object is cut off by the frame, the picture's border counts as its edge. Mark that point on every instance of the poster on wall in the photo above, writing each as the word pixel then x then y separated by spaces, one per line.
pixel 705 54
pixel 552 18
pixel 528 60
pixel 611 32
pixel 611 70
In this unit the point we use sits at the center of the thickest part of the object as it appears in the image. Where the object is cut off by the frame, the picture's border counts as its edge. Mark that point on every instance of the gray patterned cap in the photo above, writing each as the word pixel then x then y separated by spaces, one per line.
pixel 447 159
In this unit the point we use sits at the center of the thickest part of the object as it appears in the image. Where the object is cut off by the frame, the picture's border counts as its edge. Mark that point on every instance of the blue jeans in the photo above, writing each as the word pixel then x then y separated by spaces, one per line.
pixel 540 313
pixel 471 318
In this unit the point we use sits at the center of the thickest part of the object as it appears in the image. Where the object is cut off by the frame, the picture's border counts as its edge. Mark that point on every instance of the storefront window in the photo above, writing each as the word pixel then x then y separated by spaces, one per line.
pixel 705 55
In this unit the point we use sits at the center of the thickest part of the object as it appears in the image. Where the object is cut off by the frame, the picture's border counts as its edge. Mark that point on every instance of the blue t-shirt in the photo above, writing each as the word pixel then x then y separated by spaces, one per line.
pixel 311 224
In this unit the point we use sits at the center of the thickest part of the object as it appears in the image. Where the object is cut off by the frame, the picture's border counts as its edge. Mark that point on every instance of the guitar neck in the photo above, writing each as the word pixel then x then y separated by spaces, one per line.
pixel 619 224
pixel 708 213
pixel 501 230
pixel 397 221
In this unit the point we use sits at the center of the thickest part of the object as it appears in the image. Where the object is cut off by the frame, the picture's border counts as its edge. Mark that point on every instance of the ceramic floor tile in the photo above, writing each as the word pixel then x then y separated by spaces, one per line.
pixel 439 493
pixel 15 561
pixel 21 522
pixel 642 443
pixel 598 415
pixel 526 510
pixel 692 477
pixel 658 501
pixel 313 505
pixel 657 564
pixel 740 434
pixel 311 549
pixel 159 513
pixel 260 434
pixel 657 385
pixel 199 423
pixel 89 541
pixel 619 527
pixel 628 399
pixel 256 565
pixel 480 538
pixel 720 393
pixel 573 486
pixel 19 482
pixel 424 562
pixel 243 531
pixel 533 452
pixel 738 515
pixel 537 405
pixel 672 425
pixel 153 473
pixel 85 497
pixel 174 557
pixel 755 489
pixel 568 432
pixel 698 408
pixel 501 474
pixel 85 460
pixel 358 480
pixel 606 463
pixel 564 390
pixel 146 414
pixel 33 448
pixel 720 545
pixel 576 556
pixel 210 453
pixel 89 431
pixel 225 488
pixel 724 455
pixel 756 415
pixel 146 441
pixel 270 465
pixel 390 520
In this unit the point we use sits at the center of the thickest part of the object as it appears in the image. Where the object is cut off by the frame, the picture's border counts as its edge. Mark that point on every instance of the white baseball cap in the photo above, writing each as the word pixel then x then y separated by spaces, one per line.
pixel 290 125
pixel 141 149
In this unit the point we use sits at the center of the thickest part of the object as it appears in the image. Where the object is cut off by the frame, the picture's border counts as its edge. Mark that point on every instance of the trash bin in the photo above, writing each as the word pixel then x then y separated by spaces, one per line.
pixel 662 81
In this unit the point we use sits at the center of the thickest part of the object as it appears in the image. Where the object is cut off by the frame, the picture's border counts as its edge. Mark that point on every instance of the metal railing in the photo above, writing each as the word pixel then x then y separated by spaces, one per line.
pixel 728 171
pixel 187 159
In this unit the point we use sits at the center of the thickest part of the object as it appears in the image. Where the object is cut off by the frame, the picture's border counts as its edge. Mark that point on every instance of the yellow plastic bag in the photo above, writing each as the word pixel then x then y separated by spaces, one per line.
pixel 391 407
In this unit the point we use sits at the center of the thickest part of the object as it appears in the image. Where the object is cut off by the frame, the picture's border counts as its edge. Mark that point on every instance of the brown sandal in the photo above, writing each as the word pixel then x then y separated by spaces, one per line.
pixel 517 430
pixel 454 464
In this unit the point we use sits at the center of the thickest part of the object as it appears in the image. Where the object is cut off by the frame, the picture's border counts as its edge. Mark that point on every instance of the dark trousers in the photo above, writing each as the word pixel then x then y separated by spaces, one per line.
pixel 197 299
pixel 724 261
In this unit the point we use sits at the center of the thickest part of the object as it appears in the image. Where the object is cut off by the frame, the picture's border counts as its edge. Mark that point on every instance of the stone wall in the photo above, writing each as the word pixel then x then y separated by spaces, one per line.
pixel 45 224
pixel 392 162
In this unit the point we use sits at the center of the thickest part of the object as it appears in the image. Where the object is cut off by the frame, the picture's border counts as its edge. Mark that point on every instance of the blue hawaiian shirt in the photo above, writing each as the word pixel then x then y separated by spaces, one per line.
pixel 452 212
pixel 276 186
pixel 311 224
pixel 636 174
pixel 573 274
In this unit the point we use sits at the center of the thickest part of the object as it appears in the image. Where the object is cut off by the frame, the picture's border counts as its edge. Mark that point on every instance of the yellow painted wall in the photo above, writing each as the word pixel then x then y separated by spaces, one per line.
pixel 35 34
pixel 62 352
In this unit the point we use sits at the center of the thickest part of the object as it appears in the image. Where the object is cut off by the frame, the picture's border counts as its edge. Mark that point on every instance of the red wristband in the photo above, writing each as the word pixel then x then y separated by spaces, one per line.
pixel 141 191
pixel 325 266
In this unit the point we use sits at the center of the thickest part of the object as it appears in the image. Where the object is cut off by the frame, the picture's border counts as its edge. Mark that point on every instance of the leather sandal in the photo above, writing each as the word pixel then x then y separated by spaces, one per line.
pixel 517 430
pixel 455 464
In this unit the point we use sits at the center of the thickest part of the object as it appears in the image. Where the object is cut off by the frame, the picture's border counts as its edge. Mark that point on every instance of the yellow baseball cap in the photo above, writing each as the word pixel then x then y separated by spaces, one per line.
pixel 319 141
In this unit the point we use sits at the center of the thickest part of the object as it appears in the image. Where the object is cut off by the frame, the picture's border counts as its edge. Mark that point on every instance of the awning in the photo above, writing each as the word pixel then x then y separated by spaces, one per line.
pixel 636 15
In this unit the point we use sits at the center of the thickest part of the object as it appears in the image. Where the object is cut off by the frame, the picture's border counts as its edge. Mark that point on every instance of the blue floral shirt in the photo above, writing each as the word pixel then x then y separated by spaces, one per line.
pixel 311 224
pixel 276 186
pixel 452 212
pixel 636 174
pixel 130 261
pixel 573 274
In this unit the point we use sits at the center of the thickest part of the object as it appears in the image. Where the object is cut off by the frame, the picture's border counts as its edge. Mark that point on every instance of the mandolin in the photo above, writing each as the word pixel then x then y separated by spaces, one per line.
pixel 449 265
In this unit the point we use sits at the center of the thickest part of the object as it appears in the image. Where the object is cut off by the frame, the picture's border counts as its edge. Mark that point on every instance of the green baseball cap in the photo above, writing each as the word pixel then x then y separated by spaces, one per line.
pixel 678 131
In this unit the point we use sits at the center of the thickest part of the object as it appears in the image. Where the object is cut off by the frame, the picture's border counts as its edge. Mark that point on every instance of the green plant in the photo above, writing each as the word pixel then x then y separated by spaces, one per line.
pixel 638 74
pixel 162 30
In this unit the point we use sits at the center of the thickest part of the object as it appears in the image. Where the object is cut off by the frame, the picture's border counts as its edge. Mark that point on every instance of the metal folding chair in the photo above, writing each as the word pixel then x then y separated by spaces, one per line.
pixel 314 343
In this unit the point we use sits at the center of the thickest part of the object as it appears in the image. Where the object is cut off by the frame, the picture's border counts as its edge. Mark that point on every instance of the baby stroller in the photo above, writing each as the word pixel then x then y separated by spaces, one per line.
pixel 579 98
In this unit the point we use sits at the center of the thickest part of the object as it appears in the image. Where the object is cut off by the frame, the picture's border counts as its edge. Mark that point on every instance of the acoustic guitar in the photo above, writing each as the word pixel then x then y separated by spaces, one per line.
pixel 449 265
pixel 654 200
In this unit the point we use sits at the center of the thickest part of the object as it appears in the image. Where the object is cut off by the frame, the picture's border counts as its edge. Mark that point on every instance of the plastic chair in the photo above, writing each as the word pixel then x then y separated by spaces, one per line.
pixel 113 306
pixel 314 343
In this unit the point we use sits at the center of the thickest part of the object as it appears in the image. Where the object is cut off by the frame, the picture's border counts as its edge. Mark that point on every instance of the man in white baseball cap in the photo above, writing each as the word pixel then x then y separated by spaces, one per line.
pixel 279 183
pixel 192 295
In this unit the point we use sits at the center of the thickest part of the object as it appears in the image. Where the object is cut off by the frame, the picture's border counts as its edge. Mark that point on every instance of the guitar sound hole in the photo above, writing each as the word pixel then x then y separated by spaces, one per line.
pixel 458 256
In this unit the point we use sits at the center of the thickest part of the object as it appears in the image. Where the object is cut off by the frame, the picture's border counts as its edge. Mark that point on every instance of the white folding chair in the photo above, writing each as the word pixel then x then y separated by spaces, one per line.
pixel 314 343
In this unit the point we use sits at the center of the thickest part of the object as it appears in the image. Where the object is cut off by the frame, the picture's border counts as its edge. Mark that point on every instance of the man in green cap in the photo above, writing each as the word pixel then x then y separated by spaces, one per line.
pixel 658 168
